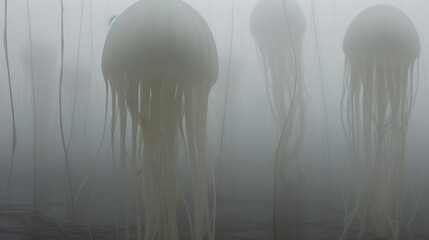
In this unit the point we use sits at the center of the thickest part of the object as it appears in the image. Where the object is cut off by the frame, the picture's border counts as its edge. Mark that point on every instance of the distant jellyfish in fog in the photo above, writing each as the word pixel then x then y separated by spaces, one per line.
pixel 40 92
pixel 160 61
pixel 278 28
pixel 43 76
pixel 381 47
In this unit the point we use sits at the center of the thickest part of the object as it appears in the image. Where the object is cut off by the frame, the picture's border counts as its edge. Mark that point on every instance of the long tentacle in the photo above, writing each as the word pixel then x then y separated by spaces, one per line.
pixel 61 118
pixel 6 52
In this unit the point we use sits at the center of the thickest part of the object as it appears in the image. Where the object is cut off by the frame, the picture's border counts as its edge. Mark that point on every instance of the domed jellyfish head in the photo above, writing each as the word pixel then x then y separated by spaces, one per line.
pixel 160 61
pixel 271 21
pixel 381 47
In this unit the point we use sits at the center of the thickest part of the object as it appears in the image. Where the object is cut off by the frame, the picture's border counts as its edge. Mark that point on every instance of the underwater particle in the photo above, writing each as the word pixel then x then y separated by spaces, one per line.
pixel 381 47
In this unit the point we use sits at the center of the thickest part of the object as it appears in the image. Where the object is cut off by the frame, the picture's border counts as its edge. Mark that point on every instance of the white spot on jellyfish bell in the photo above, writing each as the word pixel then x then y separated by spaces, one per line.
pixel 112 20
pixel 160 61
pixel 381 47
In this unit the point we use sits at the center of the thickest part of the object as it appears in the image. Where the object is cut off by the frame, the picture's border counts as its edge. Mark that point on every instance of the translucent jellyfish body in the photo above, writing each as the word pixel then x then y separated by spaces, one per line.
pixel 381 47
pixel 278 28
pixel 160 61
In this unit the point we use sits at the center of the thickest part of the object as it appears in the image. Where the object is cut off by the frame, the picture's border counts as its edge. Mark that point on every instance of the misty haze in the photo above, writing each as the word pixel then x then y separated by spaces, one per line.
pixel 214 119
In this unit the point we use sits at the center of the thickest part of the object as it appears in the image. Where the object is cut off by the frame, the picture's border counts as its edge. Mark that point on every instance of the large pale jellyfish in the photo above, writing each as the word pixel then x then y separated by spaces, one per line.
pixel 160 61
pixel 278 28
pixel 381 47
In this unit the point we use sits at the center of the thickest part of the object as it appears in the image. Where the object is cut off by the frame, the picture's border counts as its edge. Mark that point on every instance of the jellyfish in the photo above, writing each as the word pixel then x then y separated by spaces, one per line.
pixel 381 47
pixel 160 62
pixel 278 28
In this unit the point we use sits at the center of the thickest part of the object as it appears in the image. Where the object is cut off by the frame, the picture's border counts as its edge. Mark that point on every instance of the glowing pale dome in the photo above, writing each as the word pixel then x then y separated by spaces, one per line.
pixel 160 61
pixel 382 31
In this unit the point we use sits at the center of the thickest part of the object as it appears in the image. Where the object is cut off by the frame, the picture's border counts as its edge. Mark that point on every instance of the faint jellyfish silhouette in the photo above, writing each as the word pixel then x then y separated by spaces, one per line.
pixel 41 68
pixel 278 28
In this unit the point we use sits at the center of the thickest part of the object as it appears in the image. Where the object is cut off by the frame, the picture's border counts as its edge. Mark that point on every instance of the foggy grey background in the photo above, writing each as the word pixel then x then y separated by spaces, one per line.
pixel 245 174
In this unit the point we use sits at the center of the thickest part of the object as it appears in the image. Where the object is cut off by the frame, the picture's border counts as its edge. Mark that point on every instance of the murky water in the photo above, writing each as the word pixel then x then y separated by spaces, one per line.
pixel 243 128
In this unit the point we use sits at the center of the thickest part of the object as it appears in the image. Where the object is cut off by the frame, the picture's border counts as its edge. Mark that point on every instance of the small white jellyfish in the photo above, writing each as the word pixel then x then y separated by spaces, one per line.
pixel 160 61
pixel 278 28
pixel 381 47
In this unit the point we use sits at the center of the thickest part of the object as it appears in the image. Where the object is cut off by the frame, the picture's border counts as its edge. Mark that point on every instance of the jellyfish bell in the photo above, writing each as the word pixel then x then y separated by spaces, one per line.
pixel 272 29
pixel 382 31
pixel 160 61
pixel 152 26
pixel 268 21
pixel 381 47
pixel 274 23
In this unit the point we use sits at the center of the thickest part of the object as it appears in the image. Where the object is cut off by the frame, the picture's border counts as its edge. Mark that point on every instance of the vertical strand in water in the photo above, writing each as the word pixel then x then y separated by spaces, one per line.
pixel 76 76
pixel 105 82
pixel 322 87
pixel 6 53
pixel 85 127
pixel 34 107
pixel 61 119
pixel 226 96
pixel 292 105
